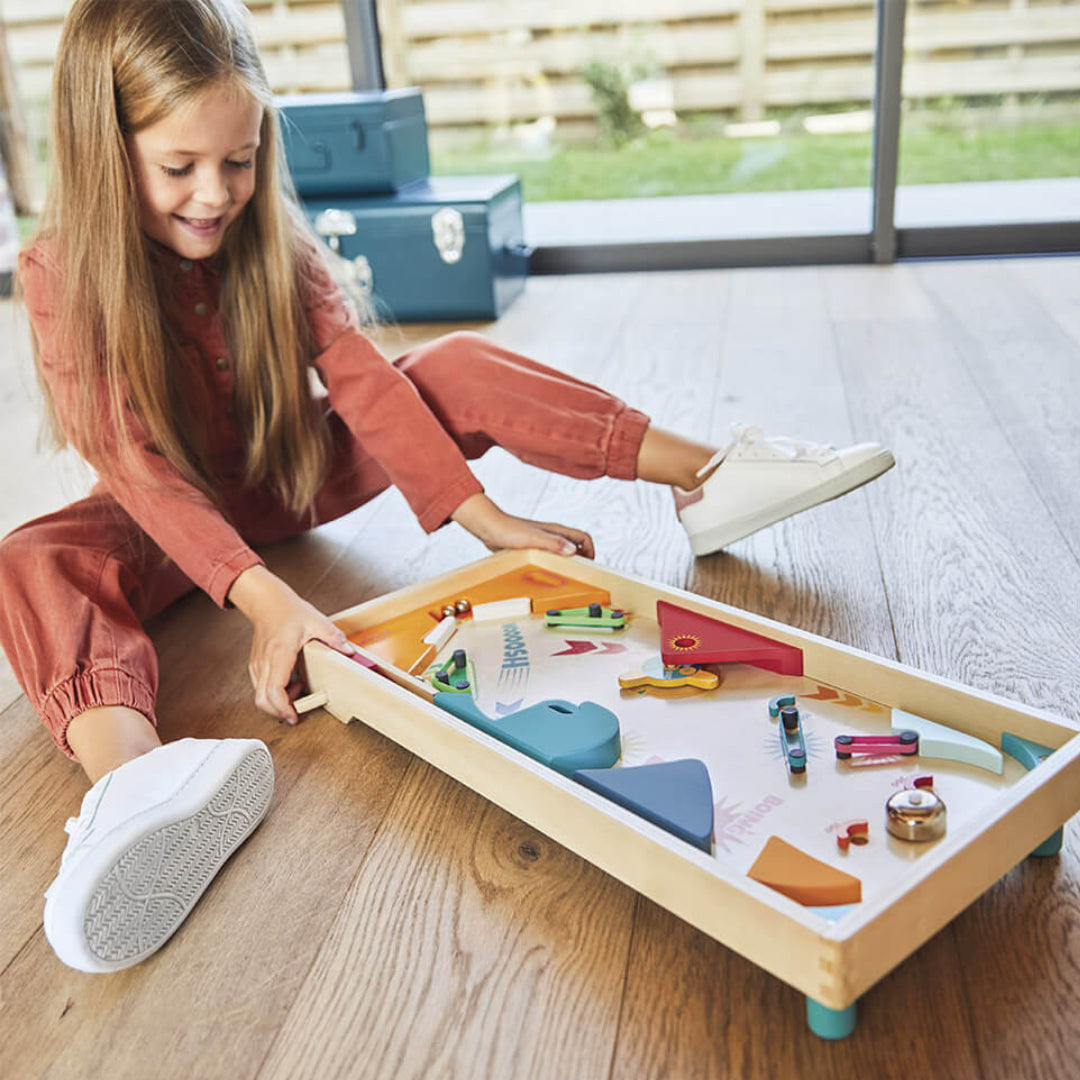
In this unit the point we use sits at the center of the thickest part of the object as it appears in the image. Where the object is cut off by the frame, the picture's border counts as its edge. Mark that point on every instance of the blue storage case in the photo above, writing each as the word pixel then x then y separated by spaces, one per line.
pixel 451 247
pixel 355 142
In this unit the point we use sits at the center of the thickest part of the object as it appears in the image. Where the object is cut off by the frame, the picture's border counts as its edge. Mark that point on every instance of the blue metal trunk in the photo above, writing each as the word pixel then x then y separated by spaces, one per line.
pixel 355 143
pixel 451 247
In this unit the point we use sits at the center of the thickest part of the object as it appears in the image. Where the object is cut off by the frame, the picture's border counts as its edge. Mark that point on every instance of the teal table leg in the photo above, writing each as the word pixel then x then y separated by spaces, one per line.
pixel 830 1023
pixel 1051 845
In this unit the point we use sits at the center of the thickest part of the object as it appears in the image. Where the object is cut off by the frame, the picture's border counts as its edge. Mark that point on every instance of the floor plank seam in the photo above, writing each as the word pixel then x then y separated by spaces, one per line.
pixel 959 330
pixel 885 586
pixel 342 904
pixel 866 495
pixel 712 437
pixel 11 704
pixel 625 983
pixel 969 1012
pixel 364 527
pixel 1062 328
pixel 721 351
pixel 39 929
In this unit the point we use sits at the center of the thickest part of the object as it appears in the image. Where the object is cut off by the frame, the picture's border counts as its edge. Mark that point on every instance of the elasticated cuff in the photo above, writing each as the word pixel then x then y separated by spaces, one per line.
pixel 625 443
pixel 438 511
pixel 221 581
pixel 100 688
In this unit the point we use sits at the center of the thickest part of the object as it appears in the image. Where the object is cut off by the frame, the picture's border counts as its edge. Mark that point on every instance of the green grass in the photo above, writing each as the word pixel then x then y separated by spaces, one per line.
pixel 935 155
pixel 662 163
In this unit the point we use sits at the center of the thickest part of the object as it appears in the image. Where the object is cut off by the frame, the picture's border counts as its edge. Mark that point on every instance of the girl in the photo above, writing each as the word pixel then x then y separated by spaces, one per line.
pixel 177 298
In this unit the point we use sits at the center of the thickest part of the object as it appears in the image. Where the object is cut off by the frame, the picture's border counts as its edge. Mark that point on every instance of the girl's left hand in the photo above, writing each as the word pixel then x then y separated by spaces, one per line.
pixel 282 622
pixel 497 530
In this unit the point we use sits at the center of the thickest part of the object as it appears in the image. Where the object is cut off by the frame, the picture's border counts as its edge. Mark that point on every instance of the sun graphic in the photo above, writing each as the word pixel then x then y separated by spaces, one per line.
pixel 633 747
pixel 723 816
pixel 816 746
pixel 684 642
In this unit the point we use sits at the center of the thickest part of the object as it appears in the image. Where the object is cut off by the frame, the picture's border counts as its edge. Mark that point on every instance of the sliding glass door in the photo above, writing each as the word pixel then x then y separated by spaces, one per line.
pixel 666 133
pixel 991 118
pixel 627 121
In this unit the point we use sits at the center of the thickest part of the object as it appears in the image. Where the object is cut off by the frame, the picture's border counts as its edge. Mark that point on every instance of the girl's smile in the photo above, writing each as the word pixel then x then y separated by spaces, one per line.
pixel 201 227
pixel 196 170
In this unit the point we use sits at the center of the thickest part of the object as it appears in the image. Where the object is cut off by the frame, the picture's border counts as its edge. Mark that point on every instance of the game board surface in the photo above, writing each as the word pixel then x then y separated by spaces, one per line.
pixel 521 662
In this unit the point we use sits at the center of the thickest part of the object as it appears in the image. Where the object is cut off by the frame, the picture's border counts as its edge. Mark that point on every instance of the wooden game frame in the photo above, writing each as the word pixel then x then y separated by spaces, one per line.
pixel 831 963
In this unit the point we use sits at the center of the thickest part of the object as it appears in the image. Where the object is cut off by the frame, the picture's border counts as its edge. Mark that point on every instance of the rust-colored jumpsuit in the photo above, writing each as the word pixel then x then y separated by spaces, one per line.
pixel 77 585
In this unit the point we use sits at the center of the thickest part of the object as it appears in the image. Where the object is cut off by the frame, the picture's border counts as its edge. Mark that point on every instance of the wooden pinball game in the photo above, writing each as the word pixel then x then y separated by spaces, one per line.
pixel 819 810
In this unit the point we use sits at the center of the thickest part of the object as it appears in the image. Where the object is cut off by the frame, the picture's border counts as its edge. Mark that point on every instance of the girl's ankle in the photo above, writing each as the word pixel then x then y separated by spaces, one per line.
pixel 105 738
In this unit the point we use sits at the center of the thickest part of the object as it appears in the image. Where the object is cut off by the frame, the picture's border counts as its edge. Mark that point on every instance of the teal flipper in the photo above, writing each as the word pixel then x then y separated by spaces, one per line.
pixel 1030 754
pixel 676 795
pixel 563 736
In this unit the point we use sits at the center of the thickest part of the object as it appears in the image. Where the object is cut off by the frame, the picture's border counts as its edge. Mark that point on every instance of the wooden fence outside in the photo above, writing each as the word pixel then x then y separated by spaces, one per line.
pixel 486 63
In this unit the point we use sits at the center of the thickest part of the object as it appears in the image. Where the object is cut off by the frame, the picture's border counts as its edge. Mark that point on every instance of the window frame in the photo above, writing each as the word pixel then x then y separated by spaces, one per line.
pixel 882 243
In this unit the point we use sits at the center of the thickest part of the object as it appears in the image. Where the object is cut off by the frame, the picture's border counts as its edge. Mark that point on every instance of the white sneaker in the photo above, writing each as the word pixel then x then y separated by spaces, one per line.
pixel 758 481
pixel 149 838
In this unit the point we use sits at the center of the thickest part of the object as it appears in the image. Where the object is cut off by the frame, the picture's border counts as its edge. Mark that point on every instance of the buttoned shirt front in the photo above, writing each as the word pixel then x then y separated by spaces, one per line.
pixel 378 405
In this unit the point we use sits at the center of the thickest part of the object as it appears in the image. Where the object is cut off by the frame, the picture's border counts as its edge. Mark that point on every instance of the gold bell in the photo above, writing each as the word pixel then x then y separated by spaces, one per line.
pixel 916 814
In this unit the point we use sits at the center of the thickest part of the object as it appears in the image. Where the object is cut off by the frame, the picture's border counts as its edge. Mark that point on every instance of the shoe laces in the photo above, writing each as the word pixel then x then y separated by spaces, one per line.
pixel 78 828
pixel 73 829
pixel 748 435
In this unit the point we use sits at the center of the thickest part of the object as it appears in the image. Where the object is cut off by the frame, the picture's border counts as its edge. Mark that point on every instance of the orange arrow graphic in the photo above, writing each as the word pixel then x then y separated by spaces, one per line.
pixel 842 697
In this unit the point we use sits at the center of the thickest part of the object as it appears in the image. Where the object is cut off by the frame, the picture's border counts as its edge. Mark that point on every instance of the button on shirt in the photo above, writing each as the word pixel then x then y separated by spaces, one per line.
pixel 380 406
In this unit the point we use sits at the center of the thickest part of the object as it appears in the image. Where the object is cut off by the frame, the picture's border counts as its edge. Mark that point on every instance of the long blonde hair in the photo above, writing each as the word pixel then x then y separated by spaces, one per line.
pixel 121 67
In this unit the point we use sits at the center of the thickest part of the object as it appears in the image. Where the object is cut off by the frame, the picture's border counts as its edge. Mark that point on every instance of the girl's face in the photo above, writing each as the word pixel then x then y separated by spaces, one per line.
pixel 196 170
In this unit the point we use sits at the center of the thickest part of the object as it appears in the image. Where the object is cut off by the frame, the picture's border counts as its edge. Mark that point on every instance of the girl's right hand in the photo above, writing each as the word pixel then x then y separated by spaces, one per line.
pixel 497 529
pixel 282 623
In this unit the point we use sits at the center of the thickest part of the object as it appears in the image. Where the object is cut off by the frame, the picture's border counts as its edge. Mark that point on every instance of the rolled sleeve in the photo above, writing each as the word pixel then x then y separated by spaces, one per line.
pixel 384 411
pixel 225 573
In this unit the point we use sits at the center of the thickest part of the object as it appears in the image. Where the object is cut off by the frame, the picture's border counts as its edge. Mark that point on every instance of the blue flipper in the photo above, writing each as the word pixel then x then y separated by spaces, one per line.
pixel 676 795
pixel 563 736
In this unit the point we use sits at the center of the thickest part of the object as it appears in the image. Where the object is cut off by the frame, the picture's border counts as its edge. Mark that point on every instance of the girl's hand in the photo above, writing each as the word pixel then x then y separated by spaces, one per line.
pixel 497 530
pixel 282 622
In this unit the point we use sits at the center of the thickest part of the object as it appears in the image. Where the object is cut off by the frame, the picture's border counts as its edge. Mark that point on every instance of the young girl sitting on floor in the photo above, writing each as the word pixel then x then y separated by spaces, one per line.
pixel 177 297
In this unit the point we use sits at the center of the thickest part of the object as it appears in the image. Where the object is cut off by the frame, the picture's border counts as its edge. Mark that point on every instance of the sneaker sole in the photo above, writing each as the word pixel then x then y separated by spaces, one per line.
pixel 147 893
pixel 705 543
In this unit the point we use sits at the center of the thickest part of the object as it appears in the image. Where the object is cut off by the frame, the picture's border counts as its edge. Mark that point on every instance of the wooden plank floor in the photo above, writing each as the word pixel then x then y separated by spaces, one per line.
pixel 384 921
